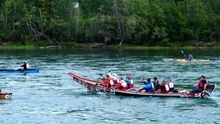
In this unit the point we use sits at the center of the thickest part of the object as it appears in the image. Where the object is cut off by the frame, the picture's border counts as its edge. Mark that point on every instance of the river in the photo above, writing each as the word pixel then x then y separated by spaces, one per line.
pixel 53 97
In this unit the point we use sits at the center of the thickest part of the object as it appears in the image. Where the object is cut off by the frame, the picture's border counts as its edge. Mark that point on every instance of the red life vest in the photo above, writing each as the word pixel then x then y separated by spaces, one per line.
pixel 202 83
pixel 107 82
pixel 120 87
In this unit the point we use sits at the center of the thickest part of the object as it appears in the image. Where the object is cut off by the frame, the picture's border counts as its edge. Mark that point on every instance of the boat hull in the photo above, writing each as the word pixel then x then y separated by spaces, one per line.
pixel 12 71
pixel 183 94
pixel 5 95
pixel 194 60
pixel 93 85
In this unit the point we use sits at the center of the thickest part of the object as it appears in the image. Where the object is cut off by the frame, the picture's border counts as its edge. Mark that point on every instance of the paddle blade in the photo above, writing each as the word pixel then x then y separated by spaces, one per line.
pixel 182 51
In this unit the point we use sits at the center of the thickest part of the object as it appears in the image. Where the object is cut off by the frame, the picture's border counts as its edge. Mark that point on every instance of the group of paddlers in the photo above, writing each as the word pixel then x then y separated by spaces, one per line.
pixel 113 81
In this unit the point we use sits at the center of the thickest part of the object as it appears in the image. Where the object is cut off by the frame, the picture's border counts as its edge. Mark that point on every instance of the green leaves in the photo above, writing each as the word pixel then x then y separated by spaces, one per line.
pixel 152 22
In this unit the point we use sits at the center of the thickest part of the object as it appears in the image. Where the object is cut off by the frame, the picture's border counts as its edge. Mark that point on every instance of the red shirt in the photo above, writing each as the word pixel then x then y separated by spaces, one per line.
pixel 202 83
pixel 107 82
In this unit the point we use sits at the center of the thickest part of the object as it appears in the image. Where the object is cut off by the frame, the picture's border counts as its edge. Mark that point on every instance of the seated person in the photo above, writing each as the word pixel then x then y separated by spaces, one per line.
pixel 189 57
pixel 148 86
pixel 201 86
pixel 106 81
pixel 122 85
pixel 25 66
pixel 130 83
pixel 167 86
pixel 157 84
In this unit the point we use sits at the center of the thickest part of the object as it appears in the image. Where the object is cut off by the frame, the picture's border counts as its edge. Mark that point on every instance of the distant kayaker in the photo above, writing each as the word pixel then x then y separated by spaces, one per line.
pixel 201 86
pixel 189 57
pixel 25 66
pixel 130 83
pixel 148 86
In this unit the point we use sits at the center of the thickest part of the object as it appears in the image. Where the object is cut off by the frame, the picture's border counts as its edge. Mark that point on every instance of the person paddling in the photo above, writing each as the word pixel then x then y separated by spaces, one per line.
pixel 189 57
pixel 130 83
pixel 201 86
pixel 122 85
pixel 157 84
pixel 148 86
pixel 167 86
pixel 25 66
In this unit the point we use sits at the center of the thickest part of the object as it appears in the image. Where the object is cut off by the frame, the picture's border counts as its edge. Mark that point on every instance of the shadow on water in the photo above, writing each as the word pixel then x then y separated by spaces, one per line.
pixel 191 104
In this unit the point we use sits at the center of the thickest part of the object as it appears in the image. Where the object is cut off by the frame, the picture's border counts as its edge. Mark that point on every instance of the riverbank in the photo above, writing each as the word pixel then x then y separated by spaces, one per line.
pixel 72 45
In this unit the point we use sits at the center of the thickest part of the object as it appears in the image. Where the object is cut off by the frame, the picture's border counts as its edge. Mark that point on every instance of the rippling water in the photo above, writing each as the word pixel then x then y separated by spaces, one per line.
pixel 52 97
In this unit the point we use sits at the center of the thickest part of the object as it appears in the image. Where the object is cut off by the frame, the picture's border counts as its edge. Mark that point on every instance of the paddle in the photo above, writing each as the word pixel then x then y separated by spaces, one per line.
pixel 184 54
pixel 101 76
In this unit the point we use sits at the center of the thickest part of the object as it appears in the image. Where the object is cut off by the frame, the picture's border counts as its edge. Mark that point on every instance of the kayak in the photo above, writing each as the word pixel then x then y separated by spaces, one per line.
pixel 5 95
pixel 194 60
pixel 95 86
pixel 182 93
pixel 8 71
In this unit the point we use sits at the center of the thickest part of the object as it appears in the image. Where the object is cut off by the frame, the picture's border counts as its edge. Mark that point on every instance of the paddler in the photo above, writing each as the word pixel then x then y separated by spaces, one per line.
pixel 201 86
pixel 130 83
pixel 189 57
pixel 25 66
pixel 122 85
pixel 157 84
pixel 148 86
pixel 167 86
pixel 106 81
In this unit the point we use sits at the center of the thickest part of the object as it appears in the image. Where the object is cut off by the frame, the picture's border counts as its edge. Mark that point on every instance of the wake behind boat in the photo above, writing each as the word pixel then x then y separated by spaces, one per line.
pixel 93 85
pixel 13 71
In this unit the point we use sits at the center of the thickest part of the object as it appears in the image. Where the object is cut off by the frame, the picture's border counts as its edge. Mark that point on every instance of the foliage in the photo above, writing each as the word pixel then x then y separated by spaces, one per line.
pixel 151 22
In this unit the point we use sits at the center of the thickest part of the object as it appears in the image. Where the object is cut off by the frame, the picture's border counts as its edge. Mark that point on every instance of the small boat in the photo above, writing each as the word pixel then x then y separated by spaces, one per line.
pixel 93 85
pixel 8 71
pixel 194 60
pixel 5 95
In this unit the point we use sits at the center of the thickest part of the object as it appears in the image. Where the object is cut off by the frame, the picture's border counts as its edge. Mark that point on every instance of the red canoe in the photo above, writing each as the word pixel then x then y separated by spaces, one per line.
pixel 94 85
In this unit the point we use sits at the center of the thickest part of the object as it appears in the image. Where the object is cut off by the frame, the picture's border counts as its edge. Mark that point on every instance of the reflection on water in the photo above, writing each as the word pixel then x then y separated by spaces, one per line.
pixel 53 97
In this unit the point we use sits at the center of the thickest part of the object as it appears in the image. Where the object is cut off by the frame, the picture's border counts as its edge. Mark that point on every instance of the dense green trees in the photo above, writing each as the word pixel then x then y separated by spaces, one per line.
pixel 110 21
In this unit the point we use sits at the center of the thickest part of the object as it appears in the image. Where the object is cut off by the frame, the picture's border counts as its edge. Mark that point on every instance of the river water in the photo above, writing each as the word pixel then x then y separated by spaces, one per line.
pixel 53 97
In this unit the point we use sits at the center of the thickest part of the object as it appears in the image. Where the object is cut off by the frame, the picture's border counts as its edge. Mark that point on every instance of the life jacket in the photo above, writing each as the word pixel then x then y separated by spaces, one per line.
pixel 107 82
pixel 130 84
pixel 202 84
pixel 148 87
pixel 122 85
pixel 169 86
pixel 112 82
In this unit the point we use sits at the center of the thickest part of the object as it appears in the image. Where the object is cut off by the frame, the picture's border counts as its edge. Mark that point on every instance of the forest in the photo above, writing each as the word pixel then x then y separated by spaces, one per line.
pixel 142 22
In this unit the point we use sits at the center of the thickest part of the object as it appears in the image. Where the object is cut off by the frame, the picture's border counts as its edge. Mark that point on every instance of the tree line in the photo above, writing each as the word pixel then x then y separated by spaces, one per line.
pixel 110 21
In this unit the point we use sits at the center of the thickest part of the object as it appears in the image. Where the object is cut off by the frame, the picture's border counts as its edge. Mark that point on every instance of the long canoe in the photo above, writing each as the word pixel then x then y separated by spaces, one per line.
pixel 5 95
pixel 94 85
pixel 184 94
pixel 9 71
